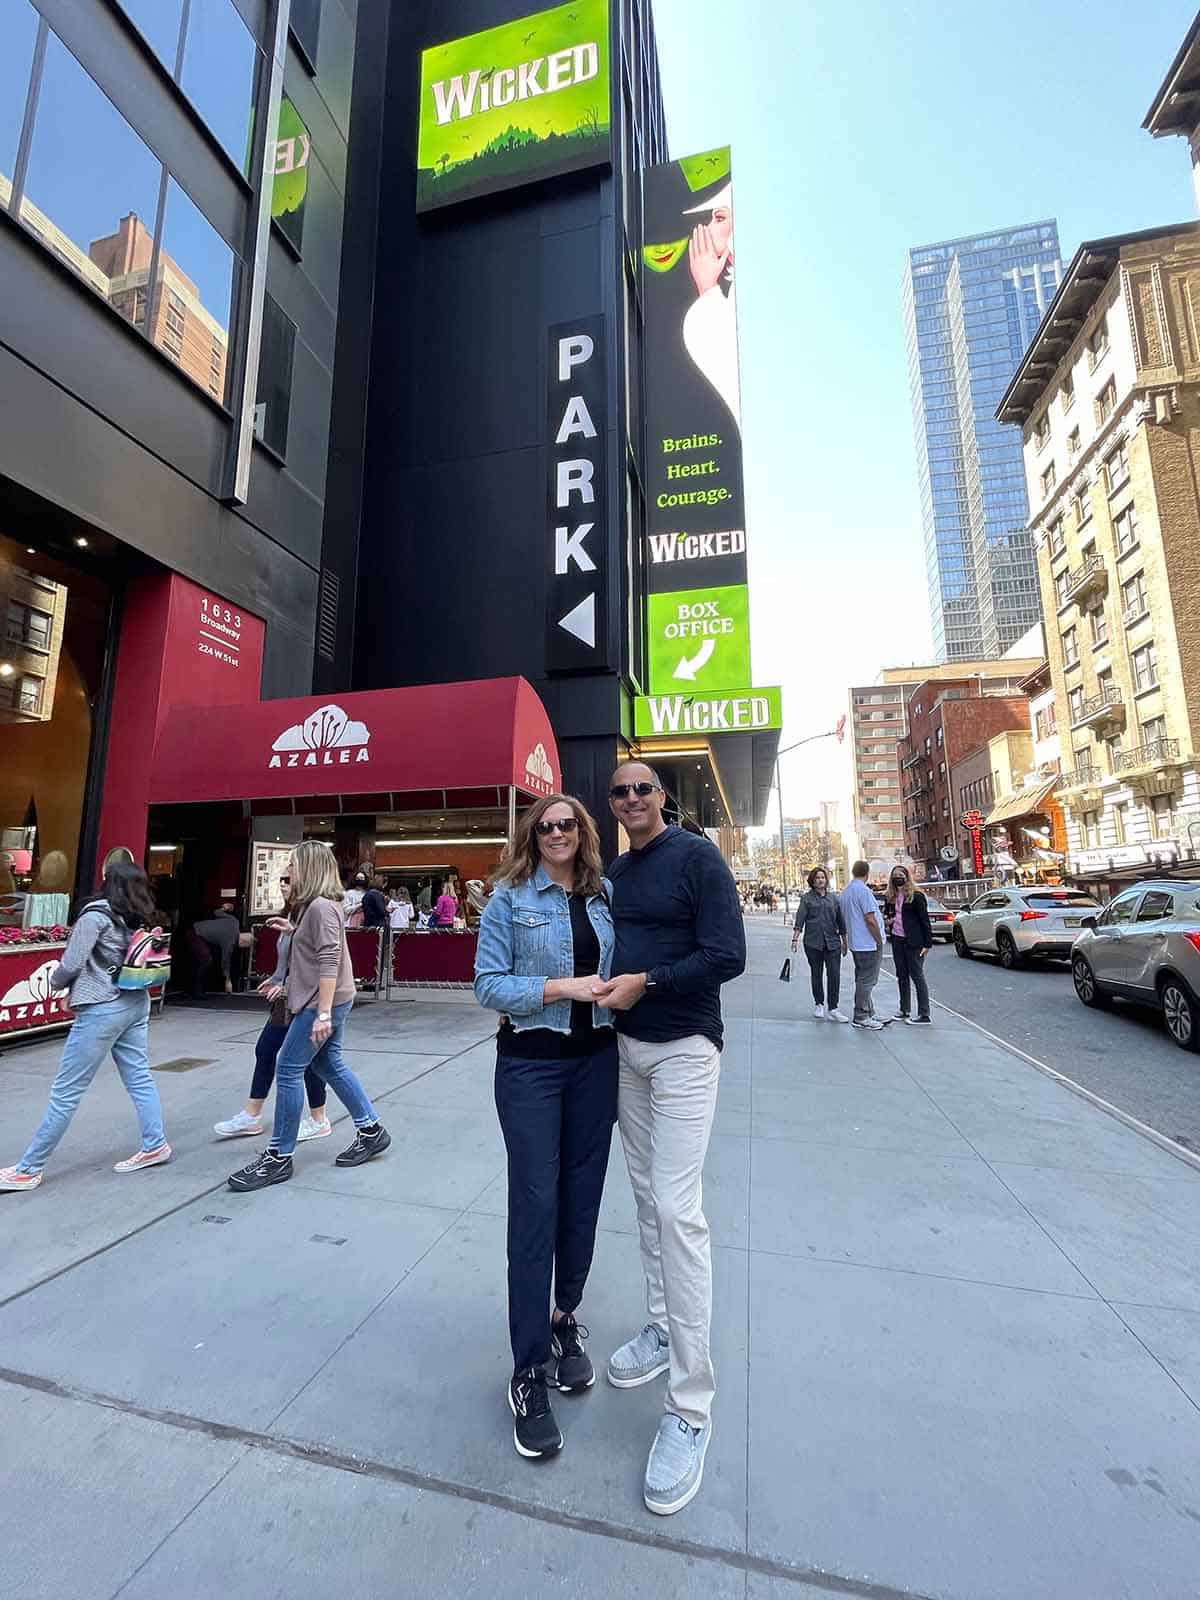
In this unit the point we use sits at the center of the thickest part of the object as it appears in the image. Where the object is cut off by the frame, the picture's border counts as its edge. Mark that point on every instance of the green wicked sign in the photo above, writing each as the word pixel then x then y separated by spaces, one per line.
pixel 737 711
pixel 699 639
pixel 514 104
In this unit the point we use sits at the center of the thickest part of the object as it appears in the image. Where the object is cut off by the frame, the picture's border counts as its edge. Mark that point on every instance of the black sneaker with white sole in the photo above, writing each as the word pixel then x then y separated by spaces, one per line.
pixel 535 1432
pixel 369 1143
pixel 573 1371
pixel 263 1171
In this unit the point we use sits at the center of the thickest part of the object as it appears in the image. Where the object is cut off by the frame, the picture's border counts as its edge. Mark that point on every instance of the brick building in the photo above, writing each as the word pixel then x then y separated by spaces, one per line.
pixel 947 721
pixel 1108 396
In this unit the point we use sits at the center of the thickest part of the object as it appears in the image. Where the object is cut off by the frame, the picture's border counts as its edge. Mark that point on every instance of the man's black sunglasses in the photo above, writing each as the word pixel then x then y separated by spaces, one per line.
pixel 622 791
pixel 563 824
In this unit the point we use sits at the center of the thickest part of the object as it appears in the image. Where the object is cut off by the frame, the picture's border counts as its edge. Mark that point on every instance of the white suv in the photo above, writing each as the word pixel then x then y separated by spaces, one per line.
pixel 1014 924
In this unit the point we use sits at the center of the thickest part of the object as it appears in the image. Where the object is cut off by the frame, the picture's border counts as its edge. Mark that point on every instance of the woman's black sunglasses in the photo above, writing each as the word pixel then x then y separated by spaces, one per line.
pixel 285 879
pixel 621 791
pixel 563 824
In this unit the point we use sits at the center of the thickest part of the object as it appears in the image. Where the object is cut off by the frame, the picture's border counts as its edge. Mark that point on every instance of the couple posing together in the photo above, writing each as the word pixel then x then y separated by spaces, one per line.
pixel 609 991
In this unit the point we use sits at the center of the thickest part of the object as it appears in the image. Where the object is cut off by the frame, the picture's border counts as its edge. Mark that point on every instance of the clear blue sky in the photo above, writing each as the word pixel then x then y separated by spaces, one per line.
pixel 858 131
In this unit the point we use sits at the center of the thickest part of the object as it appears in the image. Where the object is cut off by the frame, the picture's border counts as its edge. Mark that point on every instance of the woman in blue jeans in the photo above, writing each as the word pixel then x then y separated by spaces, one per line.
pixel 106 1019
pixel 320 993
pixel 545 939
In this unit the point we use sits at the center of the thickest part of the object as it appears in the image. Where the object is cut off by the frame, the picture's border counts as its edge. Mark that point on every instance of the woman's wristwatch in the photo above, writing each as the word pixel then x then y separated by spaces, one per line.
pixel 324 1016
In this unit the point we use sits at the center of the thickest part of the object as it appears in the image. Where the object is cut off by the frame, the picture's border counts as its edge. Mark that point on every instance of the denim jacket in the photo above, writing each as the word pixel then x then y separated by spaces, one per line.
pixel 525 938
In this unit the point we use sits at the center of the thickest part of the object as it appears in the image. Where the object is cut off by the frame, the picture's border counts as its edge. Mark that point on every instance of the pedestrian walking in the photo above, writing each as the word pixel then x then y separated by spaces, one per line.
pixel 320 994
pixel 107 1018
pixel 679 937
pixel 820 926
pixel 545 939
pixel 247 1123
pixel 864 935
pixel 906 915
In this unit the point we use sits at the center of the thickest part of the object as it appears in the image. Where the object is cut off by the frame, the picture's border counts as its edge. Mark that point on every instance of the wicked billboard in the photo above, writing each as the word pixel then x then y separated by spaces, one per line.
pixel 516 103
pixel 696 519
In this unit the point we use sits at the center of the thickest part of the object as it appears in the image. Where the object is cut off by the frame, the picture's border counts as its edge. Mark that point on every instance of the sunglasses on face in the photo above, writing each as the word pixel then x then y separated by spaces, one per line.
pixel 622 791
pixel 563 824
pixel 285 881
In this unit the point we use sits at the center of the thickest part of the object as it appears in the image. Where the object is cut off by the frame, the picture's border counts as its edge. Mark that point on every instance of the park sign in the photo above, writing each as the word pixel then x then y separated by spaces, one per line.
pixel 513 104
pixel 740 711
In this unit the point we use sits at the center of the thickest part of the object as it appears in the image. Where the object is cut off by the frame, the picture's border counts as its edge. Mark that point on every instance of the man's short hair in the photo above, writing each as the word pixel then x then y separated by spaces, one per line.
pixel 635 762
pixel 861 869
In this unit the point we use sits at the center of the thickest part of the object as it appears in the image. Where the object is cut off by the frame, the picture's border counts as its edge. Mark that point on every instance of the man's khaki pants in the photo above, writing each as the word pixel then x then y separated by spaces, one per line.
pixel 668 1094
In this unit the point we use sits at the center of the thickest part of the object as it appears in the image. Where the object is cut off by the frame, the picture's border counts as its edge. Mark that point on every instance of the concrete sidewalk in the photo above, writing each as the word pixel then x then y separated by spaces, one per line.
pixel 957 1337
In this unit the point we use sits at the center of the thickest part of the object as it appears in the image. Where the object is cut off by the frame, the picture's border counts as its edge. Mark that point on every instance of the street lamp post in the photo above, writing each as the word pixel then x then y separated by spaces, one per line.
pixel 832 733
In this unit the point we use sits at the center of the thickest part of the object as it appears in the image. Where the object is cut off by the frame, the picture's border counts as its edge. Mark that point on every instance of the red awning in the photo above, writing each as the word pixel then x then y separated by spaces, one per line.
pixel 489 733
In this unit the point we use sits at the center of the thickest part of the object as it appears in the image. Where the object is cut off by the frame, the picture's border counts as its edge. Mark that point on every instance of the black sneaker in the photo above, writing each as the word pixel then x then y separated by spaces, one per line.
pixel 535 1432
pixel 265 1170
pixel 574 1371
pixel 366 1147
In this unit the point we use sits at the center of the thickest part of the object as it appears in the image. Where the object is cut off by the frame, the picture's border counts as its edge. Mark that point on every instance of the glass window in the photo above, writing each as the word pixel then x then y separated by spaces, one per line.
pixel 1145 667
pixel 1162 816
pixel 1133 596
pixel 1091 829
pixel 219 62
pixel 1120 817
pixel 290 188
pixel 27 624
pixel 274 397
pixel 305 23
pixel 1126 529
pixel 193 294
pixel 91 191
pixel 1117 469
pixel 1154 729
pixel 18 30
pixel 1099 626
pixel 1121 909
pixel 1156 905
pixel 158 23
pixel 1070 647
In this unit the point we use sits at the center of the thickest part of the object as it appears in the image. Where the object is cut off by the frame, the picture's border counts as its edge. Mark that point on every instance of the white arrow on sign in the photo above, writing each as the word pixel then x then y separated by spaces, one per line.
pixel 689 669
pixel 581 621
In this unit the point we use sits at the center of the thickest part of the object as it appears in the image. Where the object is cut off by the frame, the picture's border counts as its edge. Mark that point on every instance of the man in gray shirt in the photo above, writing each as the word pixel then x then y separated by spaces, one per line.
pixel 864 935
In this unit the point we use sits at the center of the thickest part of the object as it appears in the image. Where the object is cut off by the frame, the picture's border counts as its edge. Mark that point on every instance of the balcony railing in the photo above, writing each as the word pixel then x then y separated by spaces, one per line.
pixel 911 761
pixel 1107 706
pixel 1090 575
pixel 1158 753
pixel 1085 776
pixel 918 820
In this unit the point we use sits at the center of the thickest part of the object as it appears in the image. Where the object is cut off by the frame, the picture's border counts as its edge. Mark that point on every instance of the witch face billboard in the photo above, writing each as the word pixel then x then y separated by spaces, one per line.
pixel 513 104
pixel 696 515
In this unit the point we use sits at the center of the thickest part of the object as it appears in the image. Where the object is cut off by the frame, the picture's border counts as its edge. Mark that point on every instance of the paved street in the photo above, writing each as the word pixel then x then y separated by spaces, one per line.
pixel 957 1336
pixel 1123 1055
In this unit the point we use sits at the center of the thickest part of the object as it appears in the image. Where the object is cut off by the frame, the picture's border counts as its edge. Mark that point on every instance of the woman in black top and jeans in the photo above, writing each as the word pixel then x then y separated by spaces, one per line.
pixel 545 939
pixel 906 922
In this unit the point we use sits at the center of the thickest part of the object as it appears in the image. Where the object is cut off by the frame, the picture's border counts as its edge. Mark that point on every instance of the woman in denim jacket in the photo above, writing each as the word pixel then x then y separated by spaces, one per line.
pixel 545 939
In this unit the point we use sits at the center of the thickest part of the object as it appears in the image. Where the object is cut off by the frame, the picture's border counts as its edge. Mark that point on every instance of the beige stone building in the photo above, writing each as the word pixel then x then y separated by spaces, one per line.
pixel 33 612
pixel 1108 398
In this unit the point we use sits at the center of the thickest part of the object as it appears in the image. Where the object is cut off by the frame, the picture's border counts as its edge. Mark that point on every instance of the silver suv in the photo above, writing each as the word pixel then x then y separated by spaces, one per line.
pixel 1016 923
pixel 1146 947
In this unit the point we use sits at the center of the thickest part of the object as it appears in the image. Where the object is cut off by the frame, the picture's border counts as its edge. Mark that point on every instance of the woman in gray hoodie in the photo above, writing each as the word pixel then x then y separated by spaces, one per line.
pixel 106 1019
pixel 819 923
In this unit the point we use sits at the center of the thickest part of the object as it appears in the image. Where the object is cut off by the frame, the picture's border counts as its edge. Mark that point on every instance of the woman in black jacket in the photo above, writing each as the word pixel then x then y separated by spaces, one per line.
pixel 820 923
pixel 906 918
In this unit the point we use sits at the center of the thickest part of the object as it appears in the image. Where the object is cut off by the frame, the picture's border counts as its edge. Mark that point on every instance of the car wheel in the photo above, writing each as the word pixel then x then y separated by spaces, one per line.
pixel 1180 1015
pixel 1086 987
pixel 961 947
pixel 1010 956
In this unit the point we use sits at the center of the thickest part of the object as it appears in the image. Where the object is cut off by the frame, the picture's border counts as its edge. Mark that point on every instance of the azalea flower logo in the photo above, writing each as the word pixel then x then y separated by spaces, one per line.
pixel 326 728
pixel 537 764
pixel 32 989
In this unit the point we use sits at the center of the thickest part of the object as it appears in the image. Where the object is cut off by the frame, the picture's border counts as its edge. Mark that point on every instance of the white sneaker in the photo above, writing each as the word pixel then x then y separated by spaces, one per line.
pixel 838 1016
pixel 145 1158
pixel 872 1024
pixel 310 1128
pixel 13 1180
pixel 819 1013
pixel 243 1126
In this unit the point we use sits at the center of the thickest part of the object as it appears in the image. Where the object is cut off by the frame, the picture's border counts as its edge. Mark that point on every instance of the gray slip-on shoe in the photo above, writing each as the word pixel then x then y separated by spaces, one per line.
pixel 676 1465
pixel 640 1359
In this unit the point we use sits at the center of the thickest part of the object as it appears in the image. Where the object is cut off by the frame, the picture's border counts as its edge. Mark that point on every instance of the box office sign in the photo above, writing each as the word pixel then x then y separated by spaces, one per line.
pixel 576 560
pixel 514 104
pixel 700 639
pixel 696 516
pixel 739 711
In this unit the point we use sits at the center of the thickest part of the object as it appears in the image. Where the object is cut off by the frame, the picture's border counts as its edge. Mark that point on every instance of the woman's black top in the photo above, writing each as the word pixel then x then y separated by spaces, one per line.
pixel 543 1044
pixel 374 909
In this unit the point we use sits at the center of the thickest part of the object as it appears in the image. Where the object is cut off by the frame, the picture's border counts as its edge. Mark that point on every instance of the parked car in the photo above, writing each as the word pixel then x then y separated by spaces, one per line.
pixel 1145 947
pixel 1014 924
pixel 941 919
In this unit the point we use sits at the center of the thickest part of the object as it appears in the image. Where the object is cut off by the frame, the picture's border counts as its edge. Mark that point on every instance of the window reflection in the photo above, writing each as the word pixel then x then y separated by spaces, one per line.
pixel 158 23
pixel 18 30
pixel 219 61
pixel 194 293
pixel 274 396
pixel 305 22
pixel 290 186
pixel 90 178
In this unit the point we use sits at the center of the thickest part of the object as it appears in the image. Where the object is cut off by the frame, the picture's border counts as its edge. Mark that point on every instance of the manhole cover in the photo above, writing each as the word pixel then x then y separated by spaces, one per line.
pixel 184 1064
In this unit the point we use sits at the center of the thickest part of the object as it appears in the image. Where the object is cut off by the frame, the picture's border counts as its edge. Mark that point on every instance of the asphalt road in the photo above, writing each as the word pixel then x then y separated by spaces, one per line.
pixel 1123 1055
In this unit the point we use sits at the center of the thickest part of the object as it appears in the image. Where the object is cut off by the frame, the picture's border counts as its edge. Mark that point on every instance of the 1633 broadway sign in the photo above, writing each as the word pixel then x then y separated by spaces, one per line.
pixel 576 519
pixel 695 516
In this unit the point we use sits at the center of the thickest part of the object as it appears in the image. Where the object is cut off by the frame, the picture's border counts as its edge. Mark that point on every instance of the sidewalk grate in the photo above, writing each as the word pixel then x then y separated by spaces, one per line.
pixel 184 1064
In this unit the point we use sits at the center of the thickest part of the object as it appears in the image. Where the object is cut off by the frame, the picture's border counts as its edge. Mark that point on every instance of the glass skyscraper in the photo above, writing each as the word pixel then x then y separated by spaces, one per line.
pixel 971 307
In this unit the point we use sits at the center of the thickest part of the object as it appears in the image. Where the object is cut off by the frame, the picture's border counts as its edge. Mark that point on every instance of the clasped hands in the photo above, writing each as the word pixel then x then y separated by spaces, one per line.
pixel 616 994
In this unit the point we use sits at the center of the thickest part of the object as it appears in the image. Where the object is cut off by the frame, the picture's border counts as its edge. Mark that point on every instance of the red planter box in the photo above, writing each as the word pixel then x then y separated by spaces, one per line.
pixel 27 1003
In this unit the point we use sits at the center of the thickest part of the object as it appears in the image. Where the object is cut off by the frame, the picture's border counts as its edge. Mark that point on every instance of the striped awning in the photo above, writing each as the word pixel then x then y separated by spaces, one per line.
pixel 1021 804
